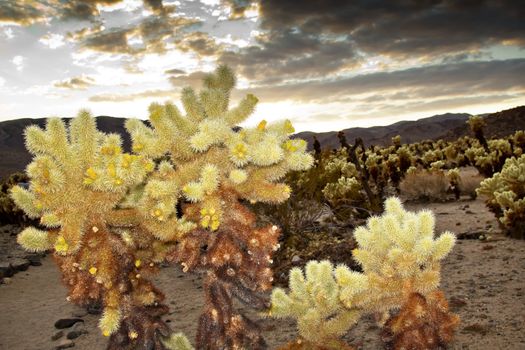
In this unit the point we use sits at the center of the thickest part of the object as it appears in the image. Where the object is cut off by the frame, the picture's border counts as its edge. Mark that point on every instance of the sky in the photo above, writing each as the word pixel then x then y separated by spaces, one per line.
pixel 325 65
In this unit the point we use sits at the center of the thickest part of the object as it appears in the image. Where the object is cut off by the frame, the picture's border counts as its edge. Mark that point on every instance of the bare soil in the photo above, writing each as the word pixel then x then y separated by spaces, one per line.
pixel 482 278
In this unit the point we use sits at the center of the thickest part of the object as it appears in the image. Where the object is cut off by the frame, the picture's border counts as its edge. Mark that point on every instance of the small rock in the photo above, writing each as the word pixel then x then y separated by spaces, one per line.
pixel 6 270
pixel 64 344
pixel 20 264
pixel 488 247
pixel 296 259
pixel 7 280
pixel 67 322
pixel 74 334
pixel 57 335
pixel 34 260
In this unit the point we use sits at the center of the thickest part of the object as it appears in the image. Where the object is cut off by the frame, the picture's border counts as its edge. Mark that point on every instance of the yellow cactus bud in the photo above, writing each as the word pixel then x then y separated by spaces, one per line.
pixel 93 270
pixel 205 221
pixel 118 182
pixel 288 127
pixel 138 262
pixel 149 166
pixel 112 170
pixel 91 173
pixel 137 147
pixel 289 146
pixel 204 211
pixel 214 225
pixel 133 335
pixel 240 151
pixel 61 245
pixel 262 125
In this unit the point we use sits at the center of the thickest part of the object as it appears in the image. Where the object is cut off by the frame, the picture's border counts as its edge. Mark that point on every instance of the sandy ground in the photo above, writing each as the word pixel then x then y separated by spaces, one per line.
pixel 483 280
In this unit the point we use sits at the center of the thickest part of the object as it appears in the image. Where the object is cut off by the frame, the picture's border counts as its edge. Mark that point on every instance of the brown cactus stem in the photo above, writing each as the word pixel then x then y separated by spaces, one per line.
pixel 236 259
pixel 423 323
pixel 375 201
pixel 220 326
pixel 121 286
pixel 142 329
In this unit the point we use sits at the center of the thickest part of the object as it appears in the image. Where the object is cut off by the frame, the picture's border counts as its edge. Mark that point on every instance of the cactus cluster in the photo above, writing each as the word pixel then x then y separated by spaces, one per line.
pixel 400 260
pixel 505 196
pixel 112 217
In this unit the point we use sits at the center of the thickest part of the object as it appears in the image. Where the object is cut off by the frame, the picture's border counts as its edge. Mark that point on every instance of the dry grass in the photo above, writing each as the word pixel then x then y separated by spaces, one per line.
pixel 425 185
pixel 470 181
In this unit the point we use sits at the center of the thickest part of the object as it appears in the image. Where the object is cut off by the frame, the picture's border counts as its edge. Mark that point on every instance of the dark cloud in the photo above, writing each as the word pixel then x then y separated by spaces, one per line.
pixel 238 7
pixel 288 54
pixel 112 41
pixel 403 27
pixel 200 43
pixel 20 12
pixel 316 38
pixel 76 83
pixel 175 71
pixel 466 78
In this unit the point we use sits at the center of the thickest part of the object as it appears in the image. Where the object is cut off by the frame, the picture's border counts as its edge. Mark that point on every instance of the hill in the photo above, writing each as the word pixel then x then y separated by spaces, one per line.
pixel 410 131
pixel 14 156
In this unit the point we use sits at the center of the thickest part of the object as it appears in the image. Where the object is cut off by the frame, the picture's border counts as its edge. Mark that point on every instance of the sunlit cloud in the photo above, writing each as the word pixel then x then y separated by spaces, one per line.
pixel 52 40
pixel 18 61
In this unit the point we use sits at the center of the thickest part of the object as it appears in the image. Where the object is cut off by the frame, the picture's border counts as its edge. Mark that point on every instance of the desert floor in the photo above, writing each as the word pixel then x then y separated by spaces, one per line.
pixel 482 278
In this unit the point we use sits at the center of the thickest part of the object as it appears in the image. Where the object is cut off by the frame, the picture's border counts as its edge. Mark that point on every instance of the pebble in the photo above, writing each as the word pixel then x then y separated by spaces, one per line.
pixel 67 322
pixel 20 264
pixel 64 344
pixel 7 280
pixel 6 270
pixel 74 334
pixel 296 259
pixel 57 335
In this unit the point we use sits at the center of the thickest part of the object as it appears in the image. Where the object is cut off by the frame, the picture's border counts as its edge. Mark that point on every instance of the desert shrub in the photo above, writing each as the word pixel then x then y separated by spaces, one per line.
pixel 425 185
pixel 400 260
pixel 505 196
pixel 9 212
pixel 469 183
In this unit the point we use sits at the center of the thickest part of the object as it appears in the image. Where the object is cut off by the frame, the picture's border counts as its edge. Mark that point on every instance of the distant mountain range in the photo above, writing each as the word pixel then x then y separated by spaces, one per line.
pixel 447 126
pixel 14 157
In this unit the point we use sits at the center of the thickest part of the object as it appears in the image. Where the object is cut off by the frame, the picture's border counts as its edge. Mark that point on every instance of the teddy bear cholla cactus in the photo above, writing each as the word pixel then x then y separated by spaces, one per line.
pixel 400 259
pixel 114 216
pixel 78 177
pixel 505 193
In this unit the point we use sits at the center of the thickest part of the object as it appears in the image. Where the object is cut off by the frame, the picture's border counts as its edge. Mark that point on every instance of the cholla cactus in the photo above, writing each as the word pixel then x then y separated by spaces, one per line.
pixel 505 193
pixel 400 259
pixel 113 217
pixel 78 177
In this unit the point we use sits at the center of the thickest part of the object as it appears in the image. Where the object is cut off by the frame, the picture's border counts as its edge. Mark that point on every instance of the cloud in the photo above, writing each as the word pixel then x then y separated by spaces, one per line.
pixel 52 40
pixel 466 78
pixel 193 80
pixel 111 41
pixel 18 61
pixel 199 42
pixel 132 96
pixel 21 13
pixel 316 39
pixel 75 83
